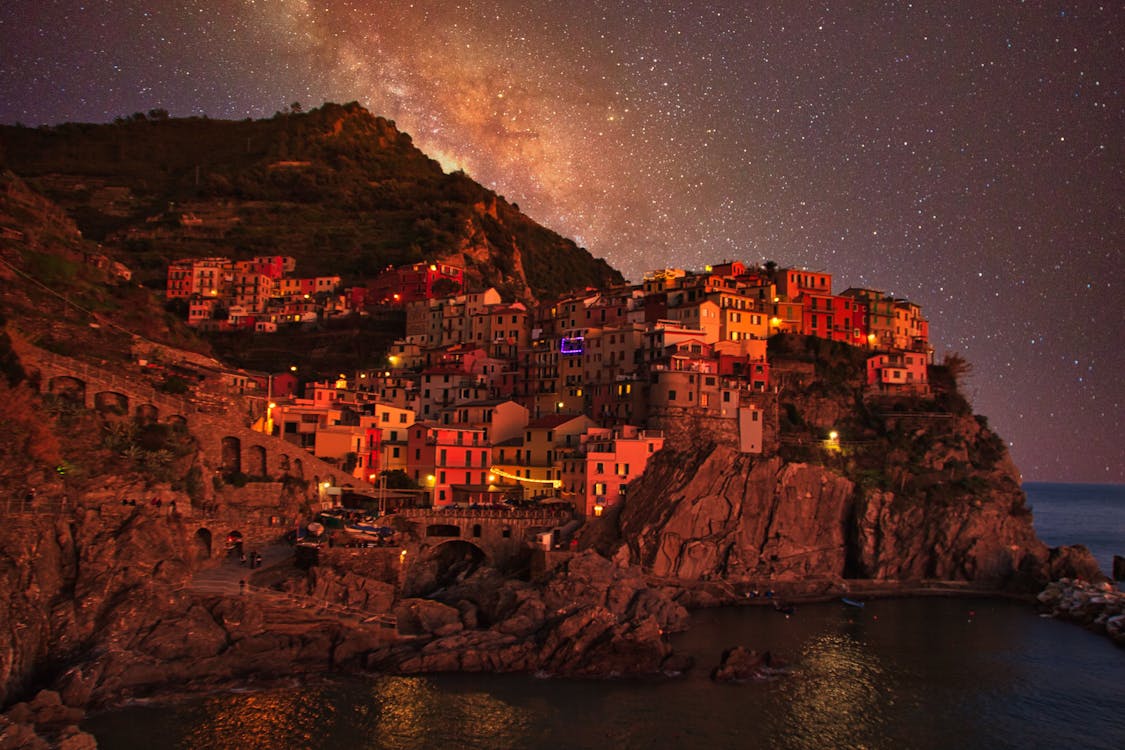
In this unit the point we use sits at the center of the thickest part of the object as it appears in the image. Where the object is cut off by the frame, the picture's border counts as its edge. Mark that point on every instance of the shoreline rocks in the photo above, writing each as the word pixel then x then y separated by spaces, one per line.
pixel 1096 606
pixel 740 664
pixel 44 722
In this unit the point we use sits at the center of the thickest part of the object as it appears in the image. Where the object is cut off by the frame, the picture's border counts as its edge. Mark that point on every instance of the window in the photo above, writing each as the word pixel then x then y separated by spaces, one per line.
pixel 599 489
pixel 394 452
pixel 599 468
pixel 671 395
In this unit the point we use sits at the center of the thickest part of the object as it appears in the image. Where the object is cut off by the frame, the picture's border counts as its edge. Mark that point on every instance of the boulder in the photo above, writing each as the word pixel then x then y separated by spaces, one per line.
pixel 739 664
pixel 1074 561
pixel 426 617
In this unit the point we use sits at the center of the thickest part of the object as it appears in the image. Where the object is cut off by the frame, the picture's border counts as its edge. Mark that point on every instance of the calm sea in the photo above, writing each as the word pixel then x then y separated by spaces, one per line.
pixel 911 673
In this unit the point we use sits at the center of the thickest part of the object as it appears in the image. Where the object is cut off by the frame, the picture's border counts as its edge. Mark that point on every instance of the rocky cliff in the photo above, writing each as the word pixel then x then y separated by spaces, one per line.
pixel 913 488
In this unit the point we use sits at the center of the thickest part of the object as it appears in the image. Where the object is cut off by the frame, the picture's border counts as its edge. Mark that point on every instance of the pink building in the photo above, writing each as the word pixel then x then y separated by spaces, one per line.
pixel 597 475
pixel 442 458
pixel 898 372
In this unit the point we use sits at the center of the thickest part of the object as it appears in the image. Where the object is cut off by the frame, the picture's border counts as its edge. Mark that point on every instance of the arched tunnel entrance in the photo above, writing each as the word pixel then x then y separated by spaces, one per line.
pixel 202 542
pixel 443 566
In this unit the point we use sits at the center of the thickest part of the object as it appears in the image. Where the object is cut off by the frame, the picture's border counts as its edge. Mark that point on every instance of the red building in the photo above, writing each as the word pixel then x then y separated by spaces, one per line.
pixel 397 286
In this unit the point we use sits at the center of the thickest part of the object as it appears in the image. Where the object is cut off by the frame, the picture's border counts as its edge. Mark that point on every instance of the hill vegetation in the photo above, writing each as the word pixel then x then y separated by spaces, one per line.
pixel 342 191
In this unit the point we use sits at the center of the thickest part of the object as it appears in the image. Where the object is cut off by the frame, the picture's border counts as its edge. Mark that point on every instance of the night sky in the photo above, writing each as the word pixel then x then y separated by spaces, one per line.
pixel 967 156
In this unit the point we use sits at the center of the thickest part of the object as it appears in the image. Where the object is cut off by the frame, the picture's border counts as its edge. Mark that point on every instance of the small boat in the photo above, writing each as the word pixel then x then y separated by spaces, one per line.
pixel 852 602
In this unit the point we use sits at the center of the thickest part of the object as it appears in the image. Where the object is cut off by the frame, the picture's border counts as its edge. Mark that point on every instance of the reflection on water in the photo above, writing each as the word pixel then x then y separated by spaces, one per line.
pixel 834 701
pixel 390 712
pixel 409 711
pixel 900 674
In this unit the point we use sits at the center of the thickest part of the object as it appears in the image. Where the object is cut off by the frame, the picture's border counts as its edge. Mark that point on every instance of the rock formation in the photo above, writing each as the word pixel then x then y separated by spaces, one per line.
pixel 713 513
pixel 740 664
pixel 593 617
pixel 1097 606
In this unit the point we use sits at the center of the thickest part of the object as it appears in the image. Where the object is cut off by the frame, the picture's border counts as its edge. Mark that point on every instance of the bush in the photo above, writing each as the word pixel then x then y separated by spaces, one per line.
pixel 174 385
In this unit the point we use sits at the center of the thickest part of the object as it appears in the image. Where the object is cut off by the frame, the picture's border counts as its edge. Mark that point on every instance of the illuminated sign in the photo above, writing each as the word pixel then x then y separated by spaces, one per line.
pixel 570 345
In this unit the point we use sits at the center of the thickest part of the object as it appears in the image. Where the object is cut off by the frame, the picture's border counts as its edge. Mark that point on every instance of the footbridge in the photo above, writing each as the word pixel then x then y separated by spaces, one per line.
pixel 498 535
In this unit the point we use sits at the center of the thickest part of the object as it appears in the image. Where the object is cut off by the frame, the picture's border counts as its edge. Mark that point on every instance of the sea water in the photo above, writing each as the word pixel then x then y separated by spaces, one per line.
pixel 1089 514
pixel 900 673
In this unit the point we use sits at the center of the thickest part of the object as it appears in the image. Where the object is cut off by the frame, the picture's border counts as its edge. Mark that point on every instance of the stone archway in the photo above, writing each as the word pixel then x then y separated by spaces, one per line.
pixel 177 420
pixel 298 468
pixel 68 387
pixel 111 402
pixel 455 560
pixel 256 461
pixel 231 455
pixel 147 414
pixel 202 543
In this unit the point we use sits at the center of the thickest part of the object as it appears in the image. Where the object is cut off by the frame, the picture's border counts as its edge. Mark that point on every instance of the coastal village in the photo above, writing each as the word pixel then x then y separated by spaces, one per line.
pixel 486 401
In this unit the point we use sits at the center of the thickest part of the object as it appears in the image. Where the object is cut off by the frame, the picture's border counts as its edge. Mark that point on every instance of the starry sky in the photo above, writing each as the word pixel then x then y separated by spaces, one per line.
pixel 964 155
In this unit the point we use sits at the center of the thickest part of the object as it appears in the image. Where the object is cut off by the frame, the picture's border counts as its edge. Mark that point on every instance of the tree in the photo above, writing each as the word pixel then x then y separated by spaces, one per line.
pixel 399 480
pixel 295 108
pixel 957 365
pixel 444 287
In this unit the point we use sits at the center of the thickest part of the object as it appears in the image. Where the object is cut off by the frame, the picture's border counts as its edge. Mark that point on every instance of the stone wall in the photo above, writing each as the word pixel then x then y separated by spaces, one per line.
pixel 686 428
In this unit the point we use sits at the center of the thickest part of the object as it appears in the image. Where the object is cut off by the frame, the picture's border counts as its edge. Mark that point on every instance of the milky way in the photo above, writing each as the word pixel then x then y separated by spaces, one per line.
pixel 968 157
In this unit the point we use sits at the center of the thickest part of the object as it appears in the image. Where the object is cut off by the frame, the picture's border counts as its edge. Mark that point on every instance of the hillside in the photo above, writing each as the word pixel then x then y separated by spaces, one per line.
pixel 342 191
pixel 60 291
